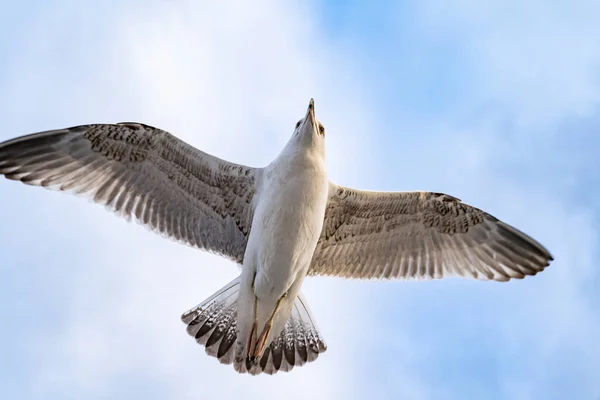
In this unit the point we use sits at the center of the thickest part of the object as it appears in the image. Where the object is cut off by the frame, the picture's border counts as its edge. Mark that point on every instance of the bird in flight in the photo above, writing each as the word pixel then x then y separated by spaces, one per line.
pixel 280 223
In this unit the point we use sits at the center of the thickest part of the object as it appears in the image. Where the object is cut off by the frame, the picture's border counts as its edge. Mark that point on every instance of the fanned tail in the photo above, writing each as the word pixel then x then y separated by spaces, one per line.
pixel 213 324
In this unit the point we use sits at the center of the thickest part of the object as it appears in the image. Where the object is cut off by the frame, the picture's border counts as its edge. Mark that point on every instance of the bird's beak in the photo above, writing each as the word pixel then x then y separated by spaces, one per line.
pixel 310 114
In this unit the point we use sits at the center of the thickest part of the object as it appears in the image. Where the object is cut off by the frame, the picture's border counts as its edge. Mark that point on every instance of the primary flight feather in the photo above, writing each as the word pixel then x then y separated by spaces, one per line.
pixel 280 223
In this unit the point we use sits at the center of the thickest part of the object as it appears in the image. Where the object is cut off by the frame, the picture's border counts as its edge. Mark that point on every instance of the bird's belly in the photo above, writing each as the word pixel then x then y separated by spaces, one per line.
pixel 287 229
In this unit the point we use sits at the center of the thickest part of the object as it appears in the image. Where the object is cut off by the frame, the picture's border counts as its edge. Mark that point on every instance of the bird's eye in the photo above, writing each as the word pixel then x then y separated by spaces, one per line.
pixel 321 130
pixel 298 124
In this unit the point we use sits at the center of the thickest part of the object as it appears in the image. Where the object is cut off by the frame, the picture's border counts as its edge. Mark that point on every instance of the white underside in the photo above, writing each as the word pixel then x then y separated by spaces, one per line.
pixel 287 223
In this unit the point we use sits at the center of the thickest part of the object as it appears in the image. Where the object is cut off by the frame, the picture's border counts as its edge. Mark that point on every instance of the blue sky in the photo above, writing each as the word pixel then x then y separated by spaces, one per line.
pixel 495 102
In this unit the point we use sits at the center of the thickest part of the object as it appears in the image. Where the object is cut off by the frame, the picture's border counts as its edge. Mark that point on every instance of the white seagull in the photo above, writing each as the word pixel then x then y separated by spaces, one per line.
pixel 280 223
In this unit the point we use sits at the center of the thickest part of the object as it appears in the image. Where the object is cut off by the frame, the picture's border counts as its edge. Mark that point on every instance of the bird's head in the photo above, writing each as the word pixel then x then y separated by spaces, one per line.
pixel 309 130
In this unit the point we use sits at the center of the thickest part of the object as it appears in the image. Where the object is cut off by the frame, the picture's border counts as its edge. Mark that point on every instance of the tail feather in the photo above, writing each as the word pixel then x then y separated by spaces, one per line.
pixel 213 324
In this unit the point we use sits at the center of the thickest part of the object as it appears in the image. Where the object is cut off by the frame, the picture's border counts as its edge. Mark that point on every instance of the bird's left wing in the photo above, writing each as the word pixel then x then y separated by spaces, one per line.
pixel 141 171
pixel 419 235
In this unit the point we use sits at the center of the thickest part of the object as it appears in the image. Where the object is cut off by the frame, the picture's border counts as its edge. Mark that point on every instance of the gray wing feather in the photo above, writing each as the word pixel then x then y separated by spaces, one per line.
pixel 140 171
pixel 419 235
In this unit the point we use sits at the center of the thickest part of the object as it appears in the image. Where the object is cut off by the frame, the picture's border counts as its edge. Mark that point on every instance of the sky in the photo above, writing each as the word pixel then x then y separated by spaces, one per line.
pixel 495 102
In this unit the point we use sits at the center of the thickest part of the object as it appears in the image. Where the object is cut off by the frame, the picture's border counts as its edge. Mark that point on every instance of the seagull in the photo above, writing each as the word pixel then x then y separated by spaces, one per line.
pixel 279 223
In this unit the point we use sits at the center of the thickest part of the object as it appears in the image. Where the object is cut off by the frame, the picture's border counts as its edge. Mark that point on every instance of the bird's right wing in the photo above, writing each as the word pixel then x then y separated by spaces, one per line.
pixel 141 171
pixel 419 235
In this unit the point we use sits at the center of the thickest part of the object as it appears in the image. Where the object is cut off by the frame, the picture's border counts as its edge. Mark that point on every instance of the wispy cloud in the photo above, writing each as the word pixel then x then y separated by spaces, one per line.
pixel 496 104
pixel 535 61
pixel 231 79
pixel 513 137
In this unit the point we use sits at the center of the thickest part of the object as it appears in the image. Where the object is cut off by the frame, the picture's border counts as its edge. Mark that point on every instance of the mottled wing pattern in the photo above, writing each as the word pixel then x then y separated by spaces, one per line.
pixel 419 235
pixel 141 171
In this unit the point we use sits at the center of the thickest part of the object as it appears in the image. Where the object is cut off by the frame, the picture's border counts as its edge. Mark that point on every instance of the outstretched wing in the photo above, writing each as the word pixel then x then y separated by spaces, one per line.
pixel 141 171
pixel 422 235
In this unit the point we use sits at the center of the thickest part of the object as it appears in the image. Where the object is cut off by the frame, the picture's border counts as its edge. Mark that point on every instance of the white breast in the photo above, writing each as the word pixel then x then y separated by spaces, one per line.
pixel 287 223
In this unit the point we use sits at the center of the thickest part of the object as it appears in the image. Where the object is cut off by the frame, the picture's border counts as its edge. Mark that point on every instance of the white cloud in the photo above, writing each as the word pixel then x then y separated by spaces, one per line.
pixel 530 68
pixel 534 338
pixel 232 79
pixel 533 61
